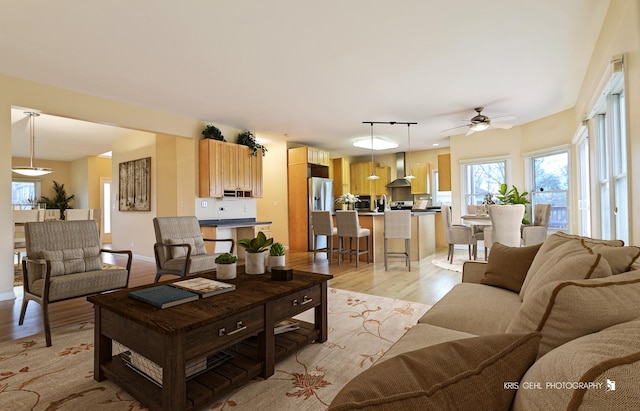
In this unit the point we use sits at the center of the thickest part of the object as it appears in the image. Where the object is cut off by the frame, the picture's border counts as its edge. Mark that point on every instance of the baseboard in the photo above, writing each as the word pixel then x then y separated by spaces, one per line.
pixel 8 296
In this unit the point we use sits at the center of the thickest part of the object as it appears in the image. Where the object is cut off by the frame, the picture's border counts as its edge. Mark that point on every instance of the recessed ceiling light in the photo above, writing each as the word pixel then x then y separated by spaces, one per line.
pixel 378 143
pixel 436 144
pixel 106 154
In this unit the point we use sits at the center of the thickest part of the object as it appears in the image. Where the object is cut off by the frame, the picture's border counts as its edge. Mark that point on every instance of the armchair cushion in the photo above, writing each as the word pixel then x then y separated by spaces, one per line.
pixel 462 374
pixel 196 243
pixel 507 266
pixel 74 260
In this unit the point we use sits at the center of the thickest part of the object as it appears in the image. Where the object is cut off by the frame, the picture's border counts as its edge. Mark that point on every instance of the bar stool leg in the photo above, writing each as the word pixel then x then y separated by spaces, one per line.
pixel 407 246
pixel 315 242
pixel 357 251
pixel 385 255
pixel 330 243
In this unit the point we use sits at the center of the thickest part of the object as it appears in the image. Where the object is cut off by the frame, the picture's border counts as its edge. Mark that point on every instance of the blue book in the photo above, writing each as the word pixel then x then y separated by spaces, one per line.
pixel 164 296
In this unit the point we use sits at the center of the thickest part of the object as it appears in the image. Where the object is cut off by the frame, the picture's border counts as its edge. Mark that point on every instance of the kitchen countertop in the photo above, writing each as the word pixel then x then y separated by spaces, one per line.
pixel 381 214
pixel 232 222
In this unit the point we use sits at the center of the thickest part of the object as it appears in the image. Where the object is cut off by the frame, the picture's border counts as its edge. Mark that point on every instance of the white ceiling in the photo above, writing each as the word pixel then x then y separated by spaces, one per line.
pixel 309 72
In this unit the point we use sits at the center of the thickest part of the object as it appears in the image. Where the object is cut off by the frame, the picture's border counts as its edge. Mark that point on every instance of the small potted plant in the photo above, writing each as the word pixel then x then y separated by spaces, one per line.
pixel 213 132
pixel 226 266
pixel 276 256
pixel 254 255
pixel 248 139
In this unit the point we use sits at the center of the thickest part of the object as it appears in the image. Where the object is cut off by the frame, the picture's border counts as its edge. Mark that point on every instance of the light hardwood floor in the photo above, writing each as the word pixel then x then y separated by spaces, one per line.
pixel 425 283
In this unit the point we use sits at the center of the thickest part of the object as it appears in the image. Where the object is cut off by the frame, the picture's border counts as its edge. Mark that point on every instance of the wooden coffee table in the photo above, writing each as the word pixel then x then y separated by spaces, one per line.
pixel 240 322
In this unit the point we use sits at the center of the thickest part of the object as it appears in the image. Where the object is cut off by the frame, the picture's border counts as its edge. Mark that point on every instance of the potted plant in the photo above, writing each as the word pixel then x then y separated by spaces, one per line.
pixel 213 132
pixel 276 256
pixel 254 252
pixel 60 201
pixel 248 139
pixel 226 266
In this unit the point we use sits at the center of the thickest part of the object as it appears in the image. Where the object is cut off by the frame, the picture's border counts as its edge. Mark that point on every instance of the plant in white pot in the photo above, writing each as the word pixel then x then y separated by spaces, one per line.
pixel 276 256
pixel 226 266
pixel 254 255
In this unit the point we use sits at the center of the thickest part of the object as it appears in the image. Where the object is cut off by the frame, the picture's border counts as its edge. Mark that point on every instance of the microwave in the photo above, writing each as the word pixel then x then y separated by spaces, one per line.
pixel 364 203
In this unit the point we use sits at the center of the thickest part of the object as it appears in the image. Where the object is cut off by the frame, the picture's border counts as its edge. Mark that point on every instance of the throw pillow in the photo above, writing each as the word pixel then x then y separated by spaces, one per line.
pixel 508 266
pixel 619 258
pixel 74 260
pixel 458 375
pixel 574 265
pixel 606 363
pixel 565 310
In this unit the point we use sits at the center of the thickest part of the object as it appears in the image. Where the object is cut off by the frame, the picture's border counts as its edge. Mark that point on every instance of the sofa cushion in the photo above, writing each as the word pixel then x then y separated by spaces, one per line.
pixel 456 375
pixel 196 243
pixel 423 335
pixel 555 256
pixel 508 266
pixel 565 310
pixel 85 283
pixel 621 259
pixel 75 260
pixel 609 356
pixel 572 266
pixel 588 240
pixel 475 309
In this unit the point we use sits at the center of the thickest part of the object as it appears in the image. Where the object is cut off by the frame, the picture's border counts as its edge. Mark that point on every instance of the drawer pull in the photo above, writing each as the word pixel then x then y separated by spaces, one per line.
pixel 305 300
pixel 239 327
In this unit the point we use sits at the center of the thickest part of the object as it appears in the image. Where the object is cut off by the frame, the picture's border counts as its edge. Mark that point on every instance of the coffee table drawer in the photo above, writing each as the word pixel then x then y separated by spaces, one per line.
pixel 224 332
pixel 297 302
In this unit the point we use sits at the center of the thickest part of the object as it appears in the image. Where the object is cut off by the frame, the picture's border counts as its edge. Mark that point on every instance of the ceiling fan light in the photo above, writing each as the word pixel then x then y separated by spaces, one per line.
pixel 479 126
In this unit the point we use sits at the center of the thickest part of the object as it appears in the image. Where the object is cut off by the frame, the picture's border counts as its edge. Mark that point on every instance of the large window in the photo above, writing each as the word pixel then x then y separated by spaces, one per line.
pixel 483 177
pixel 25 194
pixel 549 184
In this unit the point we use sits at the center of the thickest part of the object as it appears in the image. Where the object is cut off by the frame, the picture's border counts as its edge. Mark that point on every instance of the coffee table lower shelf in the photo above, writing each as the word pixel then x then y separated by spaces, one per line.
pixel 209 385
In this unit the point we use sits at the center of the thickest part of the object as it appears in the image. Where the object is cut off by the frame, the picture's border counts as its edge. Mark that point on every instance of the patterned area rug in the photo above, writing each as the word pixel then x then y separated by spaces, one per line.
pixel 361 328
pixel 457 262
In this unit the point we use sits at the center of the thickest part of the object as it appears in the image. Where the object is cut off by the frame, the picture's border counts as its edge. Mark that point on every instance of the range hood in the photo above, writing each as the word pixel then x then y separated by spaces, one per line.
pixel 401 172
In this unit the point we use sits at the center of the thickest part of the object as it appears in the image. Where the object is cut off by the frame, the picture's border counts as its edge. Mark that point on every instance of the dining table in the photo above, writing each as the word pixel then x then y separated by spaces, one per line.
pixel 476 219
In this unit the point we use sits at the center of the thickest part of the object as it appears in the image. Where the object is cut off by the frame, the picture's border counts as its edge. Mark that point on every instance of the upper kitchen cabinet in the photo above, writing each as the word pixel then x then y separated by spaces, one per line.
pixel 309 155
pixel 358 179
pixel 444 172
pixel 340 177
pixel 229 170
pixel 385 178
pixel 421 184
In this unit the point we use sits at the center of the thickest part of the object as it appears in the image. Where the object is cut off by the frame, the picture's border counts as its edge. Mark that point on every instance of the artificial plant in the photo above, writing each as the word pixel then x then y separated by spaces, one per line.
pixel 60 201
pixel 248 139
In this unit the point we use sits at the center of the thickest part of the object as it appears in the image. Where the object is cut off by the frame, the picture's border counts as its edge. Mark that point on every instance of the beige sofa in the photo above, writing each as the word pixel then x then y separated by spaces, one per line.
pixel 549 327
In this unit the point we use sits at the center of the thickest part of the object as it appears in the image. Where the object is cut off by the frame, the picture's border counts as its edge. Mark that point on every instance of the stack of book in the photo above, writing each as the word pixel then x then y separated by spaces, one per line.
pixel 285 326
pixel 180 292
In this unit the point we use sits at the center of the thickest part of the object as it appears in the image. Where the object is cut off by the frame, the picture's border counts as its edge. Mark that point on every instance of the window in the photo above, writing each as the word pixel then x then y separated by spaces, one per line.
pixel 25 194
pixel 549 182
pixel 483 177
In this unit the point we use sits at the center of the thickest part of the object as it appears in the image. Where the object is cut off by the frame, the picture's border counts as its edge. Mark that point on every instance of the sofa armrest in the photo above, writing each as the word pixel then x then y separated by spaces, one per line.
pixel 473 271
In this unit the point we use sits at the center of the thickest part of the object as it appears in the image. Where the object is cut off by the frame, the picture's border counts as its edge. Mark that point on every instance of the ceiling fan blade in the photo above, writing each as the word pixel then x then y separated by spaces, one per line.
pixel 469 132
pixel 453 128
pixel 502 125
pixel 504 118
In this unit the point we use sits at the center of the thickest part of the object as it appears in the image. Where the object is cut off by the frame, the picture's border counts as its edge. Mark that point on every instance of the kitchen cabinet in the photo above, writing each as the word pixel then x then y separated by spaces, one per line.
pixel 340 177
pixel 298 207
pixel 421 184
pixel 444 172
pixel 358 179
pixel 228 169
pixel 309 155
pixel 381 184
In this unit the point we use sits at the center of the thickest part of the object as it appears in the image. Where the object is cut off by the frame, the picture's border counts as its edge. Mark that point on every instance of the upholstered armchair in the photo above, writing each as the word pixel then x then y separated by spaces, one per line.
pixel 456 234
pixel 179 248
pixel 64 261
pixel 537 233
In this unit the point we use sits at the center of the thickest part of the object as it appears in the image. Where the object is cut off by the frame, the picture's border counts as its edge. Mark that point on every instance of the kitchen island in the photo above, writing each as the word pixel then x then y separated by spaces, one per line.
pixel 423 237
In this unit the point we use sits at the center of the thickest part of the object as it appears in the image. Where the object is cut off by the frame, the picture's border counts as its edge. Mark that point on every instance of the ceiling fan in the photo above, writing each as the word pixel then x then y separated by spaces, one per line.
pixel 481 122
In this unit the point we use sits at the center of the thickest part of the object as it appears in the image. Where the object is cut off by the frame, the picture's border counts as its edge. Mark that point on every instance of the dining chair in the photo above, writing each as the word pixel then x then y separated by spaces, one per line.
pixel 456 234
pixel 505 225
pixel 537 232
pixel 477 230
pixel 397 225
pixel 322 225
pixel 349 227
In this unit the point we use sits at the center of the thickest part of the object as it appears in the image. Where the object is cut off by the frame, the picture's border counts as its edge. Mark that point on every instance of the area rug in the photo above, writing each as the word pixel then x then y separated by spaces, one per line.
pixel 362 327
pixel 458 262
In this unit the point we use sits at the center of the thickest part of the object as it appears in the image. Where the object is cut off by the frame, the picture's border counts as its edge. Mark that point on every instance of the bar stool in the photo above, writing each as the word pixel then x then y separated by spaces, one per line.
pixel 349 226
pixel 397 224
pixel 322 225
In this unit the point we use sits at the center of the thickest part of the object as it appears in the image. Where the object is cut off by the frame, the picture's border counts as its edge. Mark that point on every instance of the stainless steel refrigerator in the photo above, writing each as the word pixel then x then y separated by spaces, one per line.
pixel 320 198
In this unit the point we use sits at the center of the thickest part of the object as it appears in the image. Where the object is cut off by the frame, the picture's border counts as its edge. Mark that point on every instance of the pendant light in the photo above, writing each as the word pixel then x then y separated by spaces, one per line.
pixel 373 175
pixel 410 176
pixel 31 171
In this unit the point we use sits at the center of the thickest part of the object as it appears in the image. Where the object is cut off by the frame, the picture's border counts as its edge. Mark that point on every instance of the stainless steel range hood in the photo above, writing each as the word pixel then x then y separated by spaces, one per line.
pixel 401 172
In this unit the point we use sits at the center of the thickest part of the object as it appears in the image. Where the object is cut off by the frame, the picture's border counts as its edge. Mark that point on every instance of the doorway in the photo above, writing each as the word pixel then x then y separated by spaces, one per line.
pixel 106 206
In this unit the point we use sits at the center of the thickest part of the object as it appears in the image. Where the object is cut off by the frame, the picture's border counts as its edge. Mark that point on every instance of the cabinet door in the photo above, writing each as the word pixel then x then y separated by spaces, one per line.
pixel 244 167
pixel 230 166
pixel 210 168
pixel 381 184
pixel 419 183
pixel 444 172
pixel 256 175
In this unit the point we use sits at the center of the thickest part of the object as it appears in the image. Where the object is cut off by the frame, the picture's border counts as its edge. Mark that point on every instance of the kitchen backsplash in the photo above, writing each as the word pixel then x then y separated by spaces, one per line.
pixel 221 209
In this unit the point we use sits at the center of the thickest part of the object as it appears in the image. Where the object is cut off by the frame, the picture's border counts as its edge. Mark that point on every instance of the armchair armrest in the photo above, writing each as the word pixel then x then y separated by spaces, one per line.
pixel 223 240
pixel 473 271
pixel 127 252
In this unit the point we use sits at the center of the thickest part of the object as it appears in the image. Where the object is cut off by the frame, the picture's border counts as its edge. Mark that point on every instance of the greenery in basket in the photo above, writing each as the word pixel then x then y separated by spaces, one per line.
pixel 256 245
pixel 213 132
pixel 277 249
pixel 248 139
pixel 60 201
pixel 226 258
